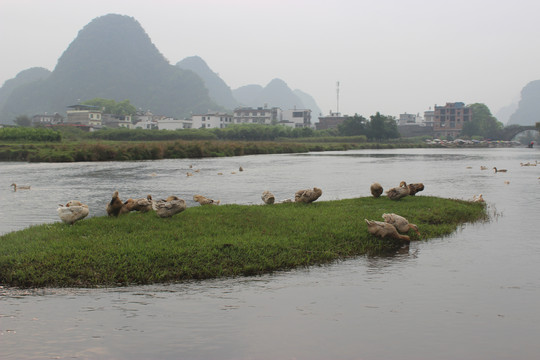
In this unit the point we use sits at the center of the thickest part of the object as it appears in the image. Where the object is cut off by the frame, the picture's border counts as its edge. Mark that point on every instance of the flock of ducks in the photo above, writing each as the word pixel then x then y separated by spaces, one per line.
pixel 397 193
pixel 393 223
pixel 74 210
pixel 394 226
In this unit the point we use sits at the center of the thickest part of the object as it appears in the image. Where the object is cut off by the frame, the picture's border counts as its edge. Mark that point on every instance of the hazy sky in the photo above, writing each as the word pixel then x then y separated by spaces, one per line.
pixel 392 56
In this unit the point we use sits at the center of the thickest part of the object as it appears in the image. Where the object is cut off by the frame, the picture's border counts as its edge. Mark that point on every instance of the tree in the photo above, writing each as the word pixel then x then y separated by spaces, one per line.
pixel 482 123
pixel 353 125
pixel 112 107
pixel 382 127
pixel 23 120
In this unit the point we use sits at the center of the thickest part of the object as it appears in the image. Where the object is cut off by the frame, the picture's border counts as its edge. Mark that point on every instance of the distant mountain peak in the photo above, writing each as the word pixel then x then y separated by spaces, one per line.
pixel 218 90
pixel 529 105
pixel 112 57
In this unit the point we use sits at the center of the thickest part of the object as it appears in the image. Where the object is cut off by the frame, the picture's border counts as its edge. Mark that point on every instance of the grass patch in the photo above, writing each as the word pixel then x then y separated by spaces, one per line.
pixel 214 241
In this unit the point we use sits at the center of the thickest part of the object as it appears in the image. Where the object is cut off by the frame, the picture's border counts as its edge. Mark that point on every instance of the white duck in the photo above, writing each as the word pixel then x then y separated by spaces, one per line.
pixel 478 198
pixel 400 223
pixel 73 211
pixel 205 201
pixel 169 207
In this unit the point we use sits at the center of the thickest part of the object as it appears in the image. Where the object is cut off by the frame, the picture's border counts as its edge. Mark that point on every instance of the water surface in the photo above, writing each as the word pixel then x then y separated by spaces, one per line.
pixel 472 295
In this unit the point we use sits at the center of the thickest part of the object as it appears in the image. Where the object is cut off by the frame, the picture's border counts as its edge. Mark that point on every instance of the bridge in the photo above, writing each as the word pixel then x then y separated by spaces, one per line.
pixel 510 132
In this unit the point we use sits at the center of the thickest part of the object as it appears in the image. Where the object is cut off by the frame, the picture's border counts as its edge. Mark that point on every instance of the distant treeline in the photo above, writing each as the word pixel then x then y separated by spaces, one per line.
pixel 250 132
pixel 28 134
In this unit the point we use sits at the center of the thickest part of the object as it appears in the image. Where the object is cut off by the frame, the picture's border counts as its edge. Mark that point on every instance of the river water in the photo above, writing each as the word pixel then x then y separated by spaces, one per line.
pixel 472 295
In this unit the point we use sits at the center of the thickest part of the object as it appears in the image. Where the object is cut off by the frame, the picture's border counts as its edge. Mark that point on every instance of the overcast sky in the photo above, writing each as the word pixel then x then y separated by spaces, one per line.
pixel 391 56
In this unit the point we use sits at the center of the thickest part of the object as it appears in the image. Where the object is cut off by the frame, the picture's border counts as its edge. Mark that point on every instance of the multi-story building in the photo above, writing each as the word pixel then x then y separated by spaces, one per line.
pixel 84 115
pixel 330 121
pixel 47 119
pixel 211 120
pixel 247 115
pixel 297 118
pixel 429 116
pixel 449 119
pixel 117 121
pixel 407 119
pixel 168 123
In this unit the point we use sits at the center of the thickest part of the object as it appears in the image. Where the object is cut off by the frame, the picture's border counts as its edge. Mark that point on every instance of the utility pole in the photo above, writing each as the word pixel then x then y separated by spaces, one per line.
pixel 337 93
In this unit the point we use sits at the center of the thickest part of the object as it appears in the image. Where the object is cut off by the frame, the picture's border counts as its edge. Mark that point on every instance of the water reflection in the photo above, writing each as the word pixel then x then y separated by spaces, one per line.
pixel 471 295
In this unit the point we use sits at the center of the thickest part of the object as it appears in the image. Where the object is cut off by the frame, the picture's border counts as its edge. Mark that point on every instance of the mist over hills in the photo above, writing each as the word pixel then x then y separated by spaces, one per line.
pixel 276 94
pixel 504 113
pixel 528 110
pixel 24 77
pixel 112 57
pixel 218 90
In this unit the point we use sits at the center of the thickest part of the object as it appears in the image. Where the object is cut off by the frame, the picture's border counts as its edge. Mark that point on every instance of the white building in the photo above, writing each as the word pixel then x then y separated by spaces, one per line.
pixel 296 118
pixel 409 119
pixel 247 115
pixel 45 119
pixel 429 117
pixel 146 125
pixel 211 121
pixel 173 124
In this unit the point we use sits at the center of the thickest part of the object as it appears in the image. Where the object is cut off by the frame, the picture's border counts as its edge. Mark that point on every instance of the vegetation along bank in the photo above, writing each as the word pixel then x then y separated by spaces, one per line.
pixel 68 144
pixel 206 242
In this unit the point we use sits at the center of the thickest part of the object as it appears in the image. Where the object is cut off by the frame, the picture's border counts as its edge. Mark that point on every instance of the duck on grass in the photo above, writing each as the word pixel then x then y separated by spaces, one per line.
pixel 205 242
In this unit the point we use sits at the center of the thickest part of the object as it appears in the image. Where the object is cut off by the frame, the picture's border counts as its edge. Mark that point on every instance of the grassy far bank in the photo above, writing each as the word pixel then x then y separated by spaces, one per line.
pixel 214 241
pixel 179 149
pixel 66 144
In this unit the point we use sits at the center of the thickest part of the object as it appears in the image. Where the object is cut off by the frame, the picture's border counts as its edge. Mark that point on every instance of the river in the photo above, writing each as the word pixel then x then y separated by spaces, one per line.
pixel 472 295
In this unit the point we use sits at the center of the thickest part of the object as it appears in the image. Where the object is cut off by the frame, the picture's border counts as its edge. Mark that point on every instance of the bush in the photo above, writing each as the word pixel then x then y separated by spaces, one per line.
pixel 29 134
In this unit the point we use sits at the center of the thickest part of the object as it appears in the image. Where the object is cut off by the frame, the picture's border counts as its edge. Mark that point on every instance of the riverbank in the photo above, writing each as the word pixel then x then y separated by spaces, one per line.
pixel 178 149
pixel 215 241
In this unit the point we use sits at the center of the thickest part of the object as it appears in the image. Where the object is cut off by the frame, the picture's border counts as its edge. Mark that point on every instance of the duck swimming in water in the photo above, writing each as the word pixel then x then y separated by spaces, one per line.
pixel 23 187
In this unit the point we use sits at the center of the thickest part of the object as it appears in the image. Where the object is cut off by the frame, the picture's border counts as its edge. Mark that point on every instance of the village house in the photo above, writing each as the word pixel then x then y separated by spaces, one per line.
pixel 117 121
pixel 330 121
pixel 168 123
pixel 297 118
pixel 47 119
pixel 449 119
pixel 211 120
pixel 248 115
pixel 87 115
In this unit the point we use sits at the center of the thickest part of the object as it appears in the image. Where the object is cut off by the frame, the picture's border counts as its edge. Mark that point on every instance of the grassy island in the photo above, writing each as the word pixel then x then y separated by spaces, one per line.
pixel 215 241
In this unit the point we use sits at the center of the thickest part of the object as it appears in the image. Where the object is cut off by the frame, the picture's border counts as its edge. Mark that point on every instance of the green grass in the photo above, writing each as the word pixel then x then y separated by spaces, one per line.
pixel 214 241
